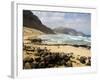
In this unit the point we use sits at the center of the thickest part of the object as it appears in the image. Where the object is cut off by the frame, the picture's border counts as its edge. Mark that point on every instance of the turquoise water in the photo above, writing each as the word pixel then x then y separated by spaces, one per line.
pixel 65 39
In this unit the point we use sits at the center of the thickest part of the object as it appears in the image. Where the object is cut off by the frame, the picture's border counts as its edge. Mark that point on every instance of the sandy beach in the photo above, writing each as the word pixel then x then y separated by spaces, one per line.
pixel 28 54
pixel 55 44
pixel 65 48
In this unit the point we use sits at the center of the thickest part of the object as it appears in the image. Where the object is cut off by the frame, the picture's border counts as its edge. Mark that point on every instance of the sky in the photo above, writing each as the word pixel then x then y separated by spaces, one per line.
pixel 78 21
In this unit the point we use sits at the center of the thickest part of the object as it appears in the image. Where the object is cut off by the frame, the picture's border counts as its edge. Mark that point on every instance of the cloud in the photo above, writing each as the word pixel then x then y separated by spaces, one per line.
pixel 51 19
pixel 78 21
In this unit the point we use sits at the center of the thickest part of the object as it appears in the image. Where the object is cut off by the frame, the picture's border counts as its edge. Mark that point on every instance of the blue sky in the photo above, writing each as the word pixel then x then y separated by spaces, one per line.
pixel 78 21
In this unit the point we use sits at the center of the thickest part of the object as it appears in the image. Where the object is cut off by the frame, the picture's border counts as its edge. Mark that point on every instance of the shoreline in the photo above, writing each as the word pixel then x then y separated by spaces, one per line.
pixel 31 54
pixel 73 45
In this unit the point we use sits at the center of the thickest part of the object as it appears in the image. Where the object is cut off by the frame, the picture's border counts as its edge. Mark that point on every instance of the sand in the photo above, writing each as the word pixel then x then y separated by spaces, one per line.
pixel 78 51
pixel 66 49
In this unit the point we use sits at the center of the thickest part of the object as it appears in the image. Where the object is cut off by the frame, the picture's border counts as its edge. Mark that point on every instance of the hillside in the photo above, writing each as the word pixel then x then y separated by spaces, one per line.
pixel 68 31
pixel 32 21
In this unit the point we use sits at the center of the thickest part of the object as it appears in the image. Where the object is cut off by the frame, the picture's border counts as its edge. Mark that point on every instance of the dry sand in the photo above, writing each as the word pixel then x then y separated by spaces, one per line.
pixel 66 49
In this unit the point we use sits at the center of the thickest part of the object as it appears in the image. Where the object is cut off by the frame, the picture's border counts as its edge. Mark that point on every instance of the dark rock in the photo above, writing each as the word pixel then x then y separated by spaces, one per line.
pixel 69 64
pixel 27 65
pixel 83 59
pixel 35 64
pixel 42 64
pixel 89 61
pixel 38 59
pixel 28 59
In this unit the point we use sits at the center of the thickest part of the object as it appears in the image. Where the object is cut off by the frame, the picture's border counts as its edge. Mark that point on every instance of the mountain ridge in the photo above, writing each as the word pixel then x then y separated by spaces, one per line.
pixel 69 31
pixel 32 21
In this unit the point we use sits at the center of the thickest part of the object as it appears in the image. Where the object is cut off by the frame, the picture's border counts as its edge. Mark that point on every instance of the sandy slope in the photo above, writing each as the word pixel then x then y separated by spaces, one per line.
pixel 29 32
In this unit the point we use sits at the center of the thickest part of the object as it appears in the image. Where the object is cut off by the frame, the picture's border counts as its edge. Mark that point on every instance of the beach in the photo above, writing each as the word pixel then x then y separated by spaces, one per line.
pixel 66 49
pixel 77 55
pixel 77 52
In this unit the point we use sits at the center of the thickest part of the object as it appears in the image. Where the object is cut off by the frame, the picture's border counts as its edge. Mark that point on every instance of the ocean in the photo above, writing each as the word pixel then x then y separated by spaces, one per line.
pixel 65 39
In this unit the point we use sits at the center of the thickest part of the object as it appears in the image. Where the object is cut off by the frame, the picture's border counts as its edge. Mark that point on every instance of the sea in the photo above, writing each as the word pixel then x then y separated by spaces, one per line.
pixel 65 39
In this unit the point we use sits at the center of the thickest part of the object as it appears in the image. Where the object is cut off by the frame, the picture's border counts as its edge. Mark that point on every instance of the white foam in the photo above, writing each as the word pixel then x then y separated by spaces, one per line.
pixel 64 39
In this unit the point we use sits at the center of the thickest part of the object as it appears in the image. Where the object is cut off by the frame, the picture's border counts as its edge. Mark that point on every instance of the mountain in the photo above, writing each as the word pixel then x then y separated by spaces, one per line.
pixel 68 31
pixel 32 21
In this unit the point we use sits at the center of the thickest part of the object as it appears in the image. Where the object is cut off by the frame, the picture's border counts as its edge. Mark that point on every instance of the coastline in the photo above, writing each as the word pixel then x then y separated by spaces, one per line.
pixel 81 53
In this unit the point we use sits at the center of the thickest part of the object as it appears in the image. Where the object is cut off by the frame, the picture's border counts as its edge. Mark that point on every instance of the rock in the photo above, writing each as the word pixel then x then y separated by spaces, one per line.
pixel 27 65
pixel 35 64
pixel 28 59
pixel 38 59
pixel 42 64
pixel 69 64
pixel 83 59
pixel 89 61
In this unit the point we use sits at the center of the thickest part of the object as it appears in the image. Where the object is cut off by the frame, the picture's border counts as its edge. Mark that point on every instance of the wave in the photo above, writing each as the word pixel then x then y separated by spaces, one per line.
pixel 65 39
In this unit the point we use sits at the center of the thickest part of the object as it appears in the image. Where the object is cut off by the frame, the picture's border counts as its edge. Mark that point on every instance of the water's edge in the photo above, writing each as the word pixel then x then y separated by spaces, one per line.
pixel 65 39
